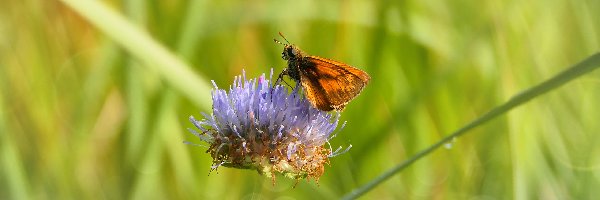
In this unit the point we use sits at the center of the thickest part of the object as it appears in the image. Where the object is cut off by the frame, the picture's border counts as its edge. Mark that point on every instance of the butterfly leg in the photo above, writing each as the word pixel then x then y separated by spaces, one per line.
pixel 280 78
pixel 278 81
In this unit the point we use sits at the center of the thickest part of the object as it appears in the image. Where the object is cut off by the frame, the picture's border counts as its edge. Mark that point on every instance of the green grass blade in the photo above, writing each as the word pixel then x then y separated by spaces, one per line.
pixel 142 46
pixel 137 101
pixel 572 73
pixel 13 173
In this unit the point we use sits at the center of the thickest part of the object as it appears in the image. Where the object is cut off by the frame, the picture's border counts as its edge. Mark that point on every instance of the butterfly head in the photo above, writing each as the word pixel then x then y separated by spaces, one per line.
pixel 290 51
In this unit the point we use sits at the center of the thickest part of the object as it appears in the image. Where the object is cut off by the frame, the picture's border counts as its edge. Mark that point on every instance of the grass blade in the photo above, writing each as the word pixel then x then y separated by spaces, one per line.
pixel 572 73
pixel 142 46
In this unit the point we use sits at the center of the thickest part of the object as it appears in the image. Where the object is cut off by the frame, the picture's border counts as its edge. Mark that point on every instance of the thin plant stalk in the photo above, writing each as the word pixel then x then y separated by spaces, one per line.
pixel 584 67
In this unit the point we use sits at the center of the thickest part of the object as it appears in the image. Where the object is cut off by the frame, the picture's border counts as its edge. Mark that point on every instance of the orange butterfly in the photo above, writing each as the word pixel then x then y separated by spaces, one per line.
pixel 327 84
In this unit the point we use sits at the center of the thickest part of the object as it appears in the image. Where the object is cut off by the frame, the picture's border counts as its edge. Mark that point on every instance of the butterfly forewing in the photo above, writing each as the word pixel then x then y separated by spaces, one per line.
pixel 329 84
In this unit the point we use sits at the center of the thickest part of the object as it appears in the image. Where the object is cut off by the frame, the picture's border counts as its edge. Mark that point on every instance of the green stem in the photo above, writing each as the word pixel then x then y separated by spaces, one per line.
pixel 572 73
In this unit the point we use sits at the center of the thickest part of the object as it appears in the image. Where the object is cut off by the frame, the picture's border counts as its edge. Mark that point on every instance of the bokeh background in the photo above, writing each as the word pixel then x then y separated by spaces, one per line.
pixel 83 118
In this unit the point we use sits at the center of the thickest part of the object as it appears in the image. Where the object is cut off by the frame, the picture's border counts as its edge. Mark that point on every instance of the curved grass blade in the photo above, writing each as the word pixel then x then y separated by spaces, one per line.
pixel 560 79
pixel 177 73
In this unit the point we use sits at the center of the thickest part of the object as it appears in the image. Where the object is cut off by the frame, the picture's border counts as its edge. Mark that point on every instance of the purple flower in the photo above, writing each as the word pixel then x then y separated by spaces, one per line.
pixel 258 126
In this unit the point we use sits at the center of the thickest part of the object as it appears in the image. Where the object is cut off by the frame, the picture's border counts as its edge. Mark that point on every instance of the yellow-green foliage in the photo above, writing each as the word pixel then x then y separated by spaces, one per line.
pixel 94 107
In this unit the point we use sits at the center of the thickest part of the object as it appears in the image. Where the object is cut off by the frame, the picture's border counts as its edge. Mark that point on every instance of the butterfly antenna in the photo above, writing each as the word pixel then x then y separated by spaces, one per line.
pixel 278 42
pixel 281 34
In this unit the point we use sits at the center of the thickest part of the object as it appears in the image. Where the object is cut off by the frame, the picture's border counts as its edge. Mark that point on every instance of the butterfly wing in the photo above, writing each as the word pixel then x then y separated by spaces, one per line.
pixel 329 84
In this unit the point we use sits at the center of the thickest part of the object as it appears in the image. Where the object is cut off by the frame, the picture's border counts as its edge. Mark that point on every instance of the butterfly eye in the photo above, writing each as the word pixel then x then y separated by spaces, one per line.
pixel 290 52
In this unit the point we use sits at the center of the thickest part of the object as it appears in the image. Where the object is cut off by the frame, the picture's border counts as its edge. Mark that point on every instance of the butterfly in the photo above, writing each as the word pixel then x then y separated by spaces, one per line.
pixel 327 84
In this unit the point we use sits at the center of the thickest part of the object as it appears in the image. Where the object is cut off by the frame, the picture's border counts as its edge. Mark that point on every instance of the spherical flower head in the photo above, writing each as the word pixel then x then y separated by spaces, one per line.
pixel 259 126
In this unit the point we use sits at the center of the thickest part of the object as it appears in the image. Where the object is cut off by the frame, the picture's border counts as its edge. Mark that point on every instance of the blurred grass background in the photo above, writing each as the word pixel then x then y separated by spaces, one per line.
pixel 82 117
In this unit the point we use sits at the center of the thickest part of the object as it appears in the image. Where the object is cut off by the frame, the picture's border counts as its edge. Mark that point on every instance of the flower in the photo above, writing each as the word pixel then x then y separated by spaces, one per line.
pixel 259 126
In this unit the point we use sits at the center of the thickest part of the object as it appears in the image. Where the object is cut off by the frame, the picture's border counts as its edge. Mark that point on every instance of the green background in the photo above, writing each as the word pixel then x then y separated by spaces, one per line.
pixel 85 113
